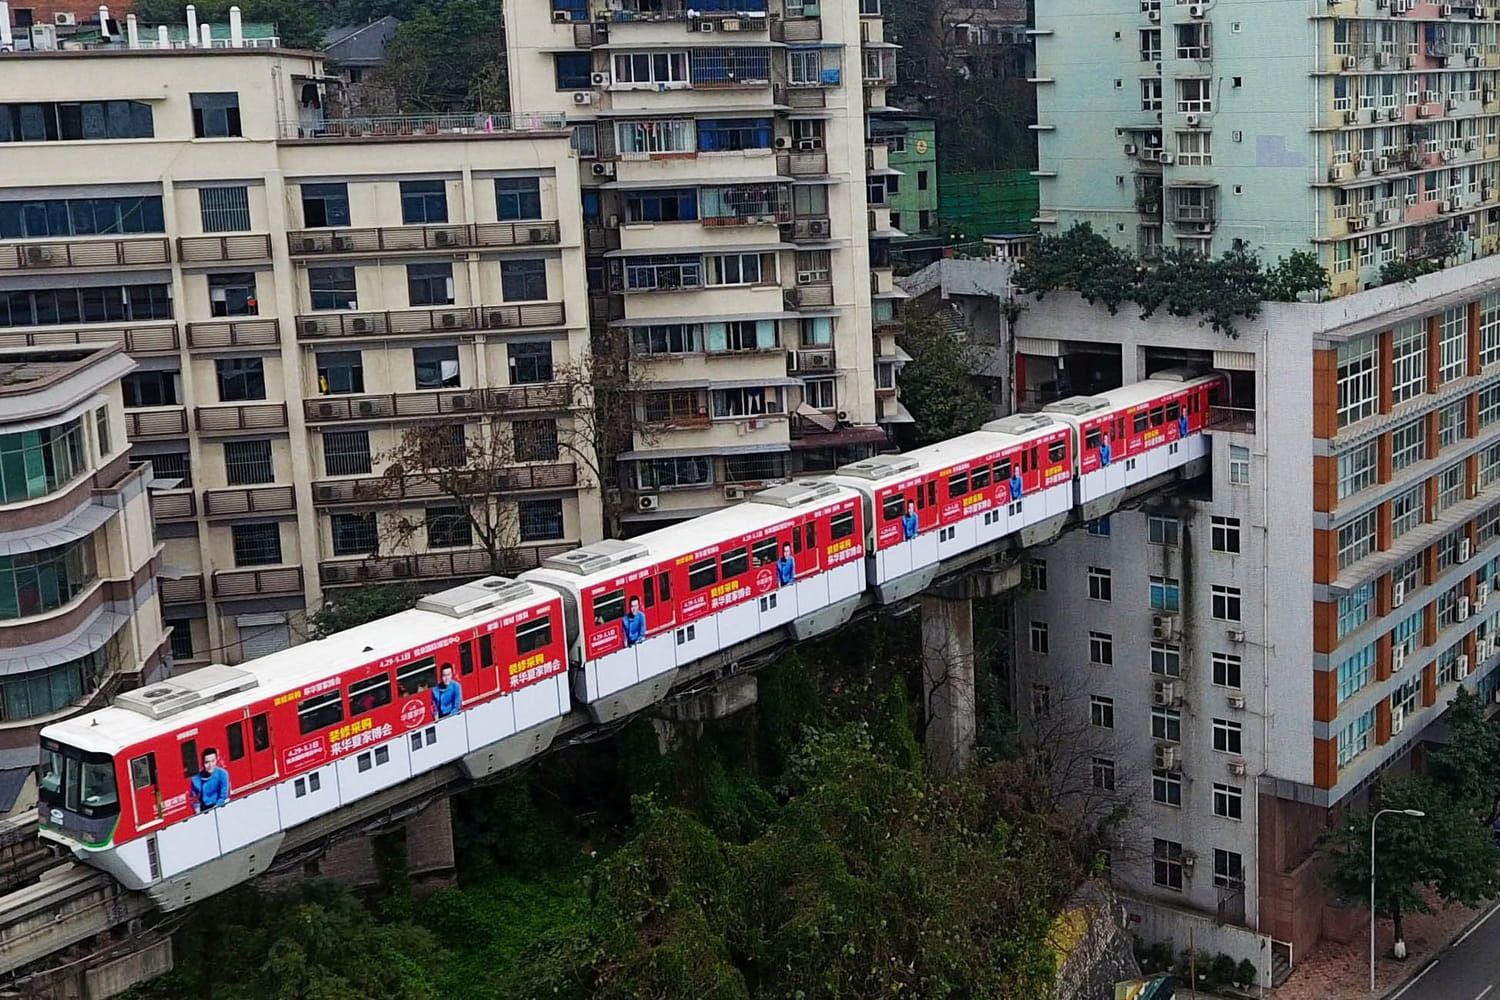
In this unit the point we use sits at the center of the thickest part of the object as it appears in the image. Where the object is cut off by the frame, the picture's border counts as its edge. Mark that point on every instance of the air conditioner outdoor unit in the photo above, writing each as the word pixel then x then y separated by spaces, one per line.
pixel 602 169
pixel 1350 62
pixel 1163 692
pixel 343 243
pixel 1447 10
pixel 312 327
pixel 1398 718
pixel 1363 243
pixel 442 238
pixel 1356 223
pixel 582 97
pixel 783 142
pixel 1236 635
pixel 1338 172
pixel 1194 120
pixel 599 79
pixel 1398 593
pixel 704 26
pixel 734 493
pixel 1204 228
pixel 38 255
pixel 560 17
pixel 1131 149
pixel 1398 657
pixel 328 493
pixel 1189 860
pixel 647 502
pixel 325 410
pixel 1384 239
pixel 1382 164
pixel 1479 12
pixel 1481 596
pixel 463 402
pixel 65 19
pixel 1166 757
pixel 1167 159
pixel 1237 768
pixel 1198 10
pixel 1445 207
pixel 1153 16
pixel 1237 702
pixel 1382 60
pixel 1164 627
pixel 806 145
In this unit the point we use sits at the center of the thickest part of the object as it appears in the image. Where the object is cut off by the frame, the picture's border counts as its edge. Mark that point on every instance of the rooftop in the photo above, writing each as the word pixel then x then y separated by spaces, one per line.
pixel 30 369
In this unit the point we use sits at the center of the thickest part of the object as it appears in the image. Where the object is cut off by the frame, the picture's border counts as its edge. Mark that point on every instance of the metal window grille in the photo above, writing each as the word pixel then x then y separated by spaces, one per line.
pixel 256 544
pixel 248 462
pixel 540 519
pixel 174 466
pixel 224 209
pixel 346 453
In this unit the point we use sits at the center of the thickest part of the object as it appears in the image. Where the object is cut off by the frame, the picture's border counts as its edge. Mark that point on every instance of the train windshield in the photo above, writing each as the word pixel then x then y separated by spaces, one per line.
pixel 77 782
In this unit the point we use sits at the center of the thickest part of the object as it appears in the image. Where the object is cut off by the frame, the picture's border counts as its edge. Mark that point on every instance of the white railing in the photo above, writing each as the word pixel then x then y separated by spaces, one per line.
pixel 466 123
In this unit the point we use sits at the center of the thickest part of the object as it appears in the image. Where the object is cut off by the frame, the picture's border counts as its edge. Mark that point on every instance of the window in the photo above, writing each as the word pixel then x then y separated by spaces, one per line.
pixel 429 284
pixel 1099 584
pixel 1229 870
pixel 571 70
pixel 168 465
pixel 325 205
pixel 649 70
pixel 1039 640
pixel 673 338
pixel 661 205
pixel 1166 863
pixel 523 280
pixel 1166 594
pixel 1226 670
pixel 540 520
pixel 1101 711
pixel 1104 774
pixel 448 528
pixel 746 402
pixel 1166 724
pixel 1034 572
pixel 320 711
pixel 1408 362
pixel 1228 737
pixel 1226 603
pixel 1239 465
pixel 45 579
pixel 820 393
pixel 1163 530
pixel 1489 329
pixel 416 676
pixel 354 534
pixel 346 453
pixel 651 138
pixel 1453 421
pixel 1192 40
pixel 1151 93
pixel 733 134
pixel 1166 787
pixel 369 694
pixel 256 544
pixel 1357 468
pixel 241 379
pixel 435 367
pixel 534 440
pixel 1229 801
pixel 1166 659
pixel 1099 527
pixel 663 272
pixel 248 463
pixel 215 116
pixel 1194 94
pixel 1354 608
pixel 674 473
pixel 922 180
pixel 1408 444
pixel 182 638
pixel 1101 649
pixel 332 288
pixel 232 294
pixel 1358 379
pixel 741 268
pixel 805 67
pixel 1150 44
pixel 35 218
pixel 340 372
pixel 530 362
pixel 1195 148
pixel 1453 344
pixel 87 304
pixel 1451 485
pixel 1041 701
pixel 1357 539
pixel 1354 739
pixel 424 202
pixel 37 121
pixel 518 198
pixel 728 67
pixel 1355 672
pixel 224 209
pixel 149 388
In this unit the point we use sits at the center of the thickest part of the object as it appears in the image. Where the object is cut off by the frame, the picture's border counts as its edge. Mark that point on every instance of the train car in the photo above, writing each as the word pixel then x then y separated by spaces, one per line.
pixel 936 502
pixel 639 609
pixel 189 786
pixel 1138 431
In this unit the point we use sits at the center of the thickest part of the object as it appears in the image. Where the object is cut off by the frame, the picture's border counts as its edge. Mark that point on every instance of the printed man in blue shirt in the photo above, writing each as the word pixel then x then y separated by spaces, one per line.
pixel 786 569
pixel 1016 487
pixel 635 623
pixel 909 522
pixel 1105 452
pixel 1182 426
pixel 448 696
pixel 210 786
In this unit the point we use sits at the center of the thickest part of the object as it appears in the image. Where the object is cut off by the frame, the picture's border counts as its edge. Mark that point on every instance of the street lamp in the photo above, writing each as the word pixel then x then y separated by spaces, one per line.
pixel 1400 812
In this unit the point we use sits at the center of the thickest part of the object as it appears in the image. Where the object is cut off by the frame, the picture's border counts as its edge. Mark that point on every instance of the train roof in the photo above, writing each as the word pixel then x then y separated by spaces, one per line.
pixel 995 435
pixel 1163 383
pixel 606 560
pixel 198 695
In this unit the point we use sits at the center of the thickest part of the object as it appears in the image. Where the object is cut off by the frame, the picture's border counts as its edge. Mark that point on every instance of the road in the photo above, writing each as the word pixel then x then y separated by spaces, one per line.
pixel 1465 970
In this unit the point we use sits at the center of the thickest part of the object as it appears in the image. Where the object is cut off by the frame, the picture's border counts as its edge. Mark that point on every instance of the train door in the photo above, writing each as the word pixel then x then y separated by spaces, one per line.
pixel 262 756
pixel 234 752
pixel 145 791
pixel 656 601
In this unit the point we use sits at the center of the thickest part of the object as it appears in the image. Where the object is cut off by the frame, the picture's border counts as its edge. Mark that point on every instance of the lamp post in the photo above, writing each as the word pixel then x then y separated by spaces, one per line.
pixel 1375 819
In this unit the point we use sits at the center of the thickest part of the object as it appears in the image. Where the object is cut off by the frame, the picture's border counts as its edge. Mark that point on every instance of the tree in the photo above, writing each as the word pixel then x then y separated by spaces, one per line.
pixel 1294 276
pixel 1467 766
pixel 448 55
pixel 356 606
pixel 936 384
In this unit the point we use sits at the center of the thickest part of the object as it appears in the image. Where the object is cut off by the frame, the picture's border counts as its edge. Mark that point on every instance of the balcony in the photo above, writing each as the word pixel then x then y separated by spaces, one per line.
pixel 477 125
pixel 802 163
pixel 91 254
pixel 240 501
pixel 163 422
pixel 138 340
pixel 410 405
pixel 751 14
pixel 376 489
pixel 173 505
pixel 223 249
pixel 318 326
pixel 393 239
pixel 809 229
pixel 257 582
pixel 234 333
pixel 809 297
pixel 811 360
pixel 442 565
pixel 184 590
pixel 808 29
pixel 236 418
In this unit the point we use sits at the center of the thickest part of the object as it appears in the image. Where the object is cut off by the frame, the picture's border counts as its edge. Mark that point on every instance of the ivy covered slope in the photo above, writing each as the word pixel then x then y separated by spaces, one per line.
pixel 1220 291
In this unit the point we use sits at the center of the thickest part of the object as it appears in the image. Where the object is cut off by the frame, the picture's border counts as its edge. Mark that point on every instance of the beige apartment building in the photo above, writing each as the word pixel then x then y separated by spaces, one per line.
pixel 736 229
pixel 298 289
pixel 80 616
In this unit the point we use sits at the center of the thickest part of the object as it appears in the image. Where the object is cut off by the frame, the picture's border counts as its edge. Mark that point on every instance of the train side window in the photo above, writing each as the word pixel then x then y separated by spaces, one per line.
pixel 189 758
pixel 796 540
pixel 648 593
pixel 143 771
pixel 704 573
pixel 958 484
pixel 764 552
pixel 415 676
pixel 1139 422
pixel 320 712
pixel 1002 471
pixel 1174 410
pixel 735 563
pixel 1056 450
pixel 466 658
pixel 1093 438
pixel 932 493
pixel 664 587
pixel 810 534
pixel 234 738
pixel 369 694
pixel 609 607
pixel 486 651
pixel 260 732
pixel 1158 416
pixel 893 507
pixel 979 478
pixel 841 526
pixel 533 635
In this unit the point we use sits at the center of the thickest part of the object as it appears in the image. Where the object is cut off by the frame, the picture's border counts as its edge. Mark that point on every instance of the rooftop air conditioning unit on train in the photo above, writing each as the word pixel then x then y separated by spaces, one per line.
pixel 647 502
pixel 185 691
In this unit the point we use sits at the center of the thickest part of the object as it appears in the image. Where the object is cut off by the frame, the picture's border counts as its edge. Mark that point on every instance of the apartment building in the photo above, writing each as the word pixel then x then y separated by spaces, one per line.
pixel 1364 130
pixel 1252 649
pixel 80 617
pixel 737 229
pixel 298 289
pixel 911 147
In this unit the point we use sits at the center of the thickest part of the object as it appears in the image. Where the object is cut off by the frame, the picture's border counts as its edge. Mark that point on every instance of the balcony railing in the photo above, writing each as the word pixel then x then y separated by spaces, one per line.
pixel 390 239
pixel 86 253
pixel 555 476
pixel 257 582
pixel 231 419
pixel 477 125
pixel 234 333
pixel 168 421
pixel 798 30
pixel 173 505
pixel 802 163
pixel 316 326
pixel 238 501
pixel 1232 418
pixel 219 249
pixel 547 396
pixel 184 590
pixel 434 564
pixel 809 297
pixel 139 340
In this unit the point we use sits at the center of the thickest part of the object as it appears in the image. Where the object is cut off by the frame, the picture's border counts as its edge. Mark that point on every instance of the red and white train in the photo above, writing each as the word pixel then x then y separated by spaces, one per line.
pixel 189 786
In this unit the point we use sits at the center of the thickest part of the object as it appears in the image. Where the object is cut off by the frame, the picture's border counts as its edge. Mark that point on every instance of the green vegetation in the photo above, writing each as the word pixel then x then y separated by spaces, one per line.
pixel 1412 267
pixel 358 605
pixel 936 385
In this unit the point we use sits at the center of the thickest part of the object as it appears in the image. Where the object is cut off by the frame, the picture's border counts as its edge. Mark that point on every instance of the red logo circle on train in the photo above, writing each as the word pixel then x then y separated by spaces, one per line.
pixel 413 712
pixel 765 580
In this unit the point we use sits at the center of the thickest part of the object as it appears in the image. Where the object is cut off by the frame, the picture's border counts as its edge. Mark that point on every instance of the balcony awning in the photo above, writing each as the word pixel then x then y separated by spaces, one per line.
pixel 1191 184
pixel 700 182
pixel 705 249
pixel 718 42
pixel 844 437
pixel 706 451
pixel 82 522
pixel 901 416
pixel 85 639
pixel 816 417
pixel 765 381
pixel 646 321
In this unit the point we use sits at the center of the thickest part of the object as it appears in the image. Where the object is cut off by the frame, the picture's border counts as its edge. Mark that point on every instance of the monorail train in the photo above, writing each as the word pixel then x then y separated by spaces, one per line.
pixel 189 786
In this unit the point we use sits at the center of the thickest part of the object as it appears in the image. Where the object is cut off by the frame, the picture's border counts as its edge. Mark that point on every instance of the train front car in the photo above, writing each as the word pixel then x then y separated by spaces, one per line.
pixel 78 791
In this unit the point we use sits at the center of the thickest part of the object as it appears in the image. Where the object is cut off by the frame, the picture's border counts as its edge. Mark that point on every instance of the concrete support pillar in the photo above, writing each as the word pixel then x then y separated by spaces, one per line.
pixel 429 845
pixel 948 681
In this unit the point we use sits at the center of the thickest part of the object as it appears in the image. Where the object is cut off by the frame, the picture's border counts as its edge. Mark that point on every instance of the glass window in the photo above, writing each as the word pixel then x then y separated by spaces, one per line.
pixel 1166 725
pixel 530 362
pixel 1227 670
pixel 1228 737
pixel 149 388
pixel 518 198
pixel 332 288
pixel 1355 672
pixel 1357 468
pixel 1163 530
pixel 1224 533
pixel 1225 603
pixel 1357 539
pixel 1358 379
pixel 1229 802
pixel 35 218
pixel 320 711
pixel 1354 739
pixel 1166 659
pixel 1099 584
pixel 1355 607
pixel 734 134
pixel 346 453
pixel 523 280
pixel 1229 869
pixel 1166 594
pixel 1239 465
pixel 436 367
pixel 535 440
pixel 256 544
pixel 1489 329
pixel 325 205
pixel 340 372
pixel 241 379
pixel 1040 638
pixel 540 520
pixel 248 463
pixel 233 294
pixel 215 116
pixel 1101 711
pixel 1101 649
pixel 1408 444
pixel 224 209
pixel 1408 361
pixel 1166 787
pixel 38 462
pixel 37 693
pixel 354 535
pixel 43 580
pixel 423 202
pixel 429 284
pixel 572 70
pixel 1453 343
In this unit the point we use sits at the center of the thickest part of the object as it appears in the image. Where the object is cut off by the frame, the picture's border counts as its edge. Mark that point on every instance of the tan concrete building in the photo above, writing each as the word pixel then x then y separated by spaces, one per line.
pixel 736 229
pixel 80 616
pixel 298 289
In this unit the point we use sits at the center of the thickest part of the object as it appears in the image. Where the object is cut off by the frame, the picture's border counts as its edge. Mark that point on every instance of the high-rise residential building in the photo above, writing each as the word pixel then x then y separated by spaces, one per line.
pixel 299 288
pixel 737 229
pixel 1363 130
pixel 80 617
pixel 1242 655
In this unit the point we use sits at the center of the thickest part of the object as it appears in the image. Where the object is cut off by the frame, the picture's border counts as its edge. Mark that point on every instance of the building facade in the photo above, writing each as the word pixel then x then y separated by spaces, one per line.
pixel 737 230
pixel 1257 646
pixel 1369 137
pixel 911 145
pixel 80 613
pixel 298 289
